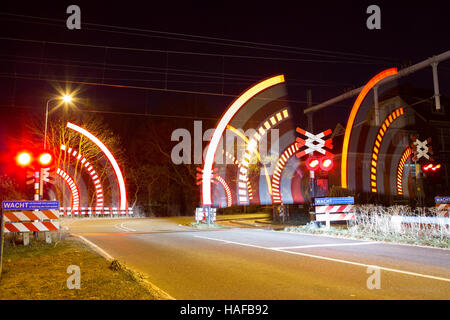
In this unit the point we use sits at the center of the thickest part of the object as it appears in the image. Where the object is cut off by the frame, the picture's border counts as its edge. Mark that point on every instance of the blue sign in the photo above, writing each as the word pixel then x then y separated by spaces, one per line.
pixel 442 199
pixel 338 200
pixel 30 205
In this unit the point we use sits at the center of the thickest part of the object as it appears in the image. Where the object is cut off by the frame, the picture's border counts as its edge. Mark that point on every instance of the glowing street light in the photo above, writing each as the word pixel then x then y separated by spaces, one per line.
pixel 66 99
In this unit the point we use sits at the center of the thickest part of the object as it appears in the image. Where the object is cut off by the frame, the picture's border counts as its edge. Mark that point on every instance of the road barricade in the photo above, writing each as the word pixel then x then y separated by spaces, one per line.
pixel 201 214
pixel 442 206
pixel 31 221
pixel 334 209
pixel 92 211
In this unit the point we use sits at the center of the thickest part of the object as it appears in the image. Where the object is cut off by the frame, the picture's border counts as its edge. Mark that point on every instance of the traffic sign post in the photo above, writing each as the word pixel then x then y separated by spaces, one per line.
pixel 315 143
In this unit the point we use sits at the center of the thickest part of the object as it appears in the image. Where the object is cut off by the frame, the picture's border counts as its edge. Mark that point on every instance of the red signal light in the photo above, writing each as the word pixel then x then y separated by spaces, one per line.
pixel 326 163
pixel 23 159
pixel 436 167
pixel 312 163
pixel 430 166
pixel 45 158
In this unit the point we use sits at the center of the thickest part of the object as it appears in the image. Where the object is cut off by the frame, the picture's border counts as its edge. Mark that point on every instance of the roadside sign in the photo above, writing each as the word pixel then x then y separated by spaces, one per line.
pixel 201 214
pixel 337 200
pixel 442 199
pixel 30 205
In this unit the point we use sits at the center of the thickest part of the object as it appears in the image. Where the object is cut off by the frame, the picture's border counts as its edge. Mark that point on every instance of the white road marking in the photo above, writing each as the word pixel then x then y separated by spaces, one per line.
pixel 110 258
pixel 352 238
pixel 123 228
pixel 324 245
pixel 331 259
pixel 100 250
pixel 126 228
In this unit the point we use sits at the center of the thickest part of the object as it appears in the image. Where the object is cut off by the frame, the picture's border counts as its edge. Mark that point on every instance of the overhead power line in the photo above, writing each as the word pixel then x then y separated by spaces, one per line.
pixel 211 40
pixel 163 71
pixel 141 87
pixel 184 52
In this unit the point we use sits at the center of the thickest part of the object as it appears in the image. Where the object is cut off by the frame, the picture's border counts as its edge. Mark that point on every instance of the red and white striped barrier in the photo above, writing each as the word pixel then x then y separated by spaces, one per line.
pixel 335 217
pixel 94 211
pixel 31 226
pixel 443 209
pixel 29 221
pixel 332 209
pixel 343 212
pixel 18 216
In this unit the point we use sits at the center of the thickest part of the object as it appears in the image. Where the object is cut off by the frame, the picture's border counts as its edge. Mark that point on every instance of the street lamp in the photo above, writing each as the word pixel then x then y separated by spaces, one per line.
pixel 66 98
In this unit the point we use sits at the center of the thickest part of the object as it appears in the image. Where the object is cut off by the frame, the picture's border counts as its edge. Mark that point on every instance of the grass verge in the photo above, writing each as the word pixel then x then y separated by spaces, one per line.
pixel 38 272
pixel 202 225
pixel 385 237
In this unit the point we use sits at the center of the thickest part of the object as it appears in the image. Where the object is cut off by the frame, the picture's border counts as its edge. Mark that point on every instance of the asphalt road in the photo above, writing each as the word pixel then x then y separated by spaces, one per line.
pixel 238 263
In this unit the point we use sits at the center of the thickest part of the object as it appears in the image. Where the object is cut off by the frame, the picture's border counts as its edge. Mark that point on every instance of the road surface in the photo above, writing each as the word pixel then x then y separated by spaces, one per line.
pixel 238 263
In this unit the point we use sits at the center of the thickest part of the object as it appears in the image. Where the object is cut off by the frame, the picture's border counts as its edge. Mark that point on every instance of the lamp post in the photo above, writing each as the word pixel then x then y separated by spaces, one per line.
pixel 66 99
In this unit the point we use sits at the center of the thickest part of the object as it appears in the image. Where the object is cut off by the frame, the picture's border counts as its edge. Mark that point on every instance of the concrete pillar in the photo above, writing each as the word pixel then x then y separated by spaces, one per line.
pixel 48 237
pixel 437 97
pixel 26 238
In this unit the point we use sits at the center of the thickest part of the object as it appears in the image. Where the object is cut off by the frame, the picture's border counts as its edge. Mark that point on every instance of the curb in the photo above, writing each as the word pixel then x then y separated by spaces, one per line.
pixel 161 293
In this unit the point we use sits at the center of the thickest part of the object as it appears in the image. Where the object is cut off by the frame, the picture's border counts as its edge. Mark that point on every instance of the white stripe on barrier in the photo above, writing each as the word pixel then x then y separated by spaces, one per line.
pixel 335 217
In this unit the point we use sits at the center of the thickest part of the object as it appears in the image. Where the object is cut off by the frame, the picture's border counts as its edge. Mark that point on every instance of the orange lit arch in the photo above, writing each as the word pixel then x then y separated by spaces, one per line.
pixel 351 119
pixel 377 145
pixel 227 190
pixel 400 168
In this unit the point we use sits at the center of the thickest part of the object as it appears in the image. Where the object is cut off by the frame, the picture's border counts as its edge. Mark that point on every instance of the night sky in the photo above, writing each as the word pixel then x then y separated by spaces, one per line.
pixel 325 47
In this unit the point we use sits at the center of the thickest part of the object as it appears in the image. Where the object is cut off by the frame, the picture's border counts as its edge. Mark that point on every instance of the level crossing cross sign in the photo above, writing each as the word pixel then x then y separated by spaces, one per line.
pixel 314 142
pixel 421 149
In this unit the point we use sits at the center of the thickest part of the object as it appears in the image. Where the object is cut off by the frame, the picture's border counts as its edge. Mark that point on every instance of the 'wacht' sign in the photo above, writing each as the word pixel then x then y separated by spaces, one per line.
pixel 30 205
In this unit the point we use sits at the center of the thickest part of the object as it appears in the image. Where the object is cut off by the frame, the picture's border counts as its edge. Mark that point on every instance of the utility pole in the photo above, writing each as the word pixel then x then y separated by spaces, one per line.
pixel 437 98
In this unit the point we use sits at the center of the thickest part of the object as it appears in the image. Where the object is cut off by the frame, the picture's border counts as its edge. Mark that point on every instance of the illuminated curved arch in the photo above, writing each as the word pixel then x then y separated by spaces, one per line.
pixel 251 148
pixel 281 163
pixel 236 162
pixel 231 157
pixel 351 119
pixel 227 190
pixel 92 173
pixel 112 161
pixel 400 168
pixel 224 121
pixel 73 188
pixel 377 145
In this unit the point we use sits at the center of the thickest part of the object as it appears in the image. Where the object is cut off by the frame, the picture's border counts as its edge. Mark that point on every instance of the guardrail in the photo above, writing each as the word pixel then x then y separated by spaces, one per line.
pixel 91 211
pixel 398 220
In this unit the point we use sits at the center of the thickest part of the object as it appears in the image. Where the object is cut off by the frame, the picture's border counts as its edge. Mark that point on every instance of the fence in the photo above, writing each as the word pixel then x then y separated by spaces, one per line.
pixel 91 211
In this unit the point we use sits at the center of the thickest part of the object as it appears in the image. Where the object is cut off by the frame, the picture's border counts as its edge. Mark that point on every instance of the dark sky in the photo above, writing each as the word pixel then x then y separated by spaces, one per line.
pixel 334 51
